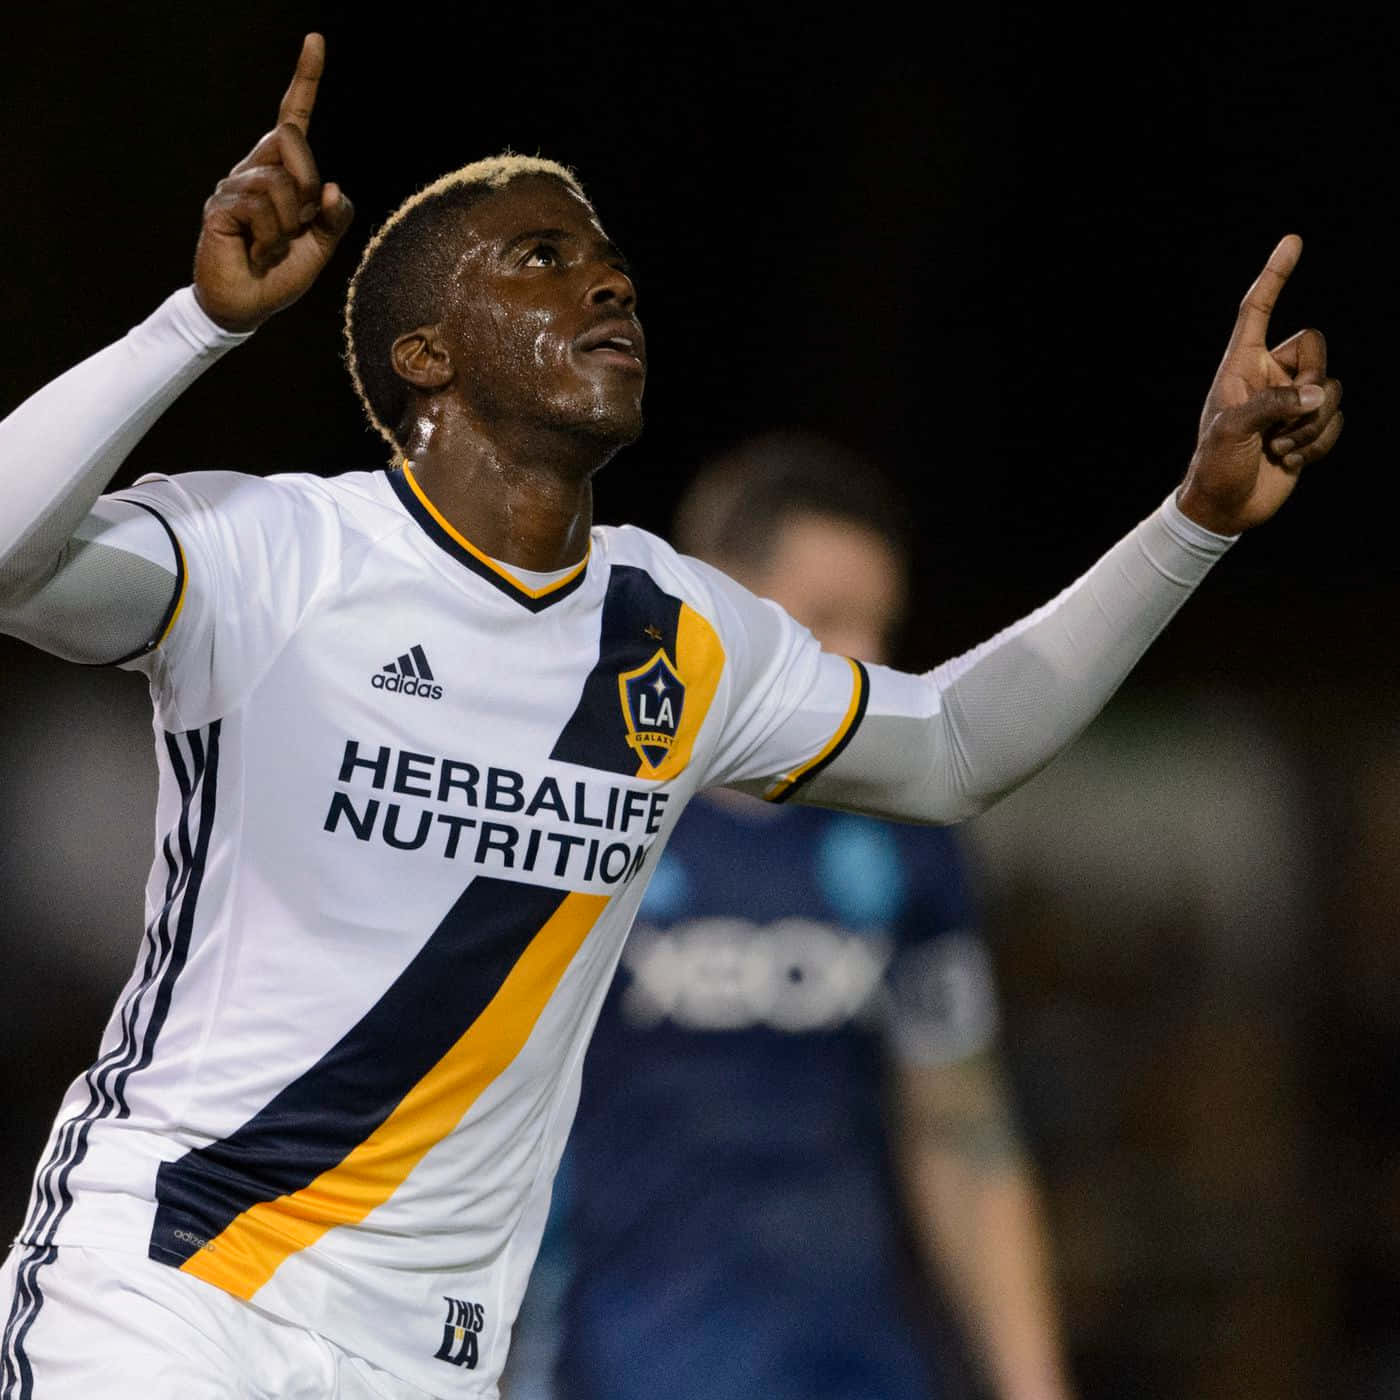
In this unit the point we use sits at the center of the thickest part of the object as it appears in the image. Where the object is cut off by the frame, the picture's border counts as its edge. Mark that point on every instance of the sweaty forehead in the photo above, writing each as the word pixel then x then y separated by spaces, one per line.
pixel 529 202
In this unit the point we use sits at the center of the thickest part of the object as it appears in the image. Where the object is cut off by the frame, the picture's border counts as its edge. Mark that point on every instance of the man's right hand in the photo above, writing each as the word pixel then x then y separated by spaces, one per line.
pixel 271 225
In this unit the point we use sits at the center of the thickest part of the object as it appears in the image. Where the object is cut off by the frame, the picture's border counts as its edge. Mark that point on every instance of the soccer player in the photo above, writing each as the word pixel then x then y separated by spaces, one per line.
pixel 798 981
pixel 421 734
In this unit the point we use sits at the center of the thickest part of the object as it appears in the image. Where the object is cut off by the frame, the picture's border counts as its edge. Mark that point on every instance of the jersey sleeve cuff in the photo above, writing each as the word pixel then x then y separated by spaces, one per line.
pixel 1176 547
pixel 184 315
pixel 1190 534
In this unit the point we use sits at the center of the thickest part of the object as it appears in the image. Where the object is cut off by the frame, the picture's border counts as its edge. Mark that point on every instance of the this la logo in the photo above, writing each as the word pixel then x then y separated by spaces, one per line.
pixel 460 1346
pixel 652 699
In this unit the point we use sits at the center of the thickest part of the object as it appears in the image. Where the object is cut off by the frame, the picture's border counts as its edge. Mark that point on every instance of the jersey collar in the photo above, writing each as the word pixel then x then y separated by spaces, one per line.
pixel 436 527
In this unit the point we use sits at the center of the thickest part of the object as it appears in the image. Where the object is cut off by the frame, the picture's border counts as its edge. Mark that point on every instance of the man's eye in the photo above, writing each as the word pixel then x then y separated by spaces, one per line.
pixel 544 256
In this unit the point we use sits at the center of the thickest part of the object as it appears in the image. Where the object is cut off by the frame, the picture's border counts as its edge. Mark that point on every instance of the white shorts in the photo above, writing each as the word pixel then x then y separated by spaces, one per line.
pixel 86 1323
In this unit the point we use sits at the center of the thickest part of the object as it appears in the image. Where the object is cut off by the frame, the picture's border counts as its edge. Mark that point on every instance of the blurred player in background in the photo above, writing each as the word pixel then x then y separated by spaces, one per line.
pixel 802 1043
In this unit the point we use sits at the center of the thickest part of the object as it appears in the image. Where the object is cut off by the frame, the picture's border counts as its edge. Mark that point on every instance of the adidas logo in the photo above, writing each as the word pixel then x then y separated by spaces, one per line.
pixel 409 675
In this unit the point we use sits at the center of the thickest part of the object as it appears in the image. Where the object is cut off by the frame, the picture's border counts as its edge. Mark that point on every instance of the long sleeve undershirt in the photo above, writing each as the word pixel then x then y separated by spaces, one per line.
pixel 935 747
pixel 947 744
pixel 60 587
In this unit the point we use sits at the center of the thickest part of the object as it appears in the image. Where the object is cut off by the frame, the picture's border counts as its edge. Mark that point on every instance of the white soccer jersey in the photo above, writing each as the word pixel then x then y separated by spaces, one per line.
pixel 408 805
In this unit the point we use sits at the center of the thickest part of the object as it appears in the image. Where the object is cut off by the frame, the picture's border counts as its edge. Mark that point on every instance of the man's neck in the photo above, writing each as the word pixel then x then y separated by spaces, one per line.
pixel 527 503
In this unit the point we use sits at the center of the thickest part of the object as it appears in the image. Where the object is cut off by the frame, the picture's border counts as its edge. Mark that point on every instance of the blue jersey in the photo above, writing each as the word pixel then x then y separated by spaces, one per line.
pixel 729 1199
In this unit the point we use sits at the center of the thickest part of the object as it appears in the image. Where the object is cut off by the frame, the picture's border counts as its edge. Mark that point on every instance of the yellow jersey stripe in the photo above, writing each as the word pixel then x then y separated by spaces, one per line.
pixel 184 588
pixel 250 1250
pixel 785 785
pixel 699 663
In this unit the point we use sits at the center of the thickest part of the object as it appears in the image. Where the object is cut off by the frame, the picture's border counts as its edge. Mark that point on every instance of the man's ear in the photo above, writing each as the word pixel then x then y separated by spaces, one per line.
pixel 422 358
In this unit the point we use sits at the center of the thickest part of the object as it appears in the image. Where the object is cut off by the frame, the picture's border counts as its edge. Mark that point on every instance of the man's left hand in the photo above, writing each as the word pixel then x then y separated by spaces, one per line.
pixel 1269 413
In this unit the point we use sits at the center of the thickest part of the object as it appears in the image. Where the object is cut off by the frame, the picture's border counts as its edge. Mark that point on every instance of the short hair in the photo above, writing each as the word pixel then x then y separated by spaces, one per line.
pixel 732 512
pixel 398 283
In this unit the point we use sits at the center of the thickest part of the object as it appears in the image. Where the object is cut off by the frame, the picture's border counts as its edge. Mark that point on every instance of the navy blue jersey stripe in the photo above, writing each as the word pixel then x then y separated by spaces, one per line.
pixel 47 1205
pixel 176 888
pixel 156 947
pixel 638 619
pixel 101 1100
pixel 316 1120
pixel 44 1201
pixel 108 1077
pixel 208 763
pixel 187 786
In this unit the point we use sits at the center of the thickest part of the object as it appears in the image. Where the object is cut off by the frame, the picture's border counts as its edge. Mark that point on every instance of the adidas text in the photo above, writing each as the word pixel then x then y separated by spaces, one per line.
pixel 410 674
pixel 406 685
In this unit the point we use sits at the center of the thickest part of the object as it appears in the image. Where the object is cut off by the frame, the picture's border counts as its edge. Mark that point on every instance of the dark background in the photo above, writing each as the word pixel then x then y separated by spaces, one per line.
pixel 999 251
pixel 1002 254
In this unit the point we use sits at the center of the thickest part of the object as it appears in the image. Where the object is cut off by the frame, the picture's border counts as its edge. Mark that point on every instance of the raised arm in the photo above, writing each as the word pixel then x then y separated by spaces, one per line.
pixel 271 225
pixel 945 745
pixel 95 582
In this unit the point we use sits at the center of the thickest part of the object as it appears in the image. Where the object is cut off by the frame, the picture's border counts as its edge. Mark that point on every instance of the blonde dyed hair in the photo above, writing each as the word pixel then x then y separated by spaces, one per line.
pixel 403 267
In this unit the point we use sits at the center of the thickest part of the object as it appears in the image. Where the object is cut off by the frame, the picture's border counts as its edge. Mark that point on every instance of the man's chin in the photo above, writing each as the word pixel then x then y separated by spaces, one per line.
pixel 613 425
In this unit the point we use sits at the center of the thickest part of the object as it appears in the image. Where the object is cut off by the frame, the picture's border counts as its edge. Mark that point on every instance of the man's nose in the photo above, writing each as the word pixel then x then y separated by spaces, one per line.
pixel 611 284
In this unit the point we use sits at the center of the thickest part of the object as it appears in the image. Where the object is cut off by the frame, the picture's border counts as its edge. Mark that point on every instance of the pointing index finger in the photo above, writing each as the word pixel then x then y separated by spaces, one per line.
pixel 1252 324
pixel 300 97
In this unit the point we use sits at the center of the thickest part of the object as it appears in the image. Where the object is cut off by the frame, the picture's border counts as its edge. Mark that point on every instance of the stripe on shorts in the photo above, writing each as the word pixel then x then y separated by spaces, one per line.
pixel 16 1373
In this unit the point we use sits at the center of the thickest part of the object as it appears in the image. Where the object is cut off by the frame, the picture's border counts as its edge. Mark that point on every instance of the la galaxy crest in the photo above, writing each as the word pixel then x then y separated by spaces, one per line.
pixel 652 696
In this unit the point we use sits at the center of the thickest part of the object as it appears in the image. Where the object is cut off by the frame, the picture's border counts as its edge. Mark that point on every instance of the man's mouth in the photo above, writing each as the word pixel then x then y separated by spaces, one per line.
pixel 617 342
